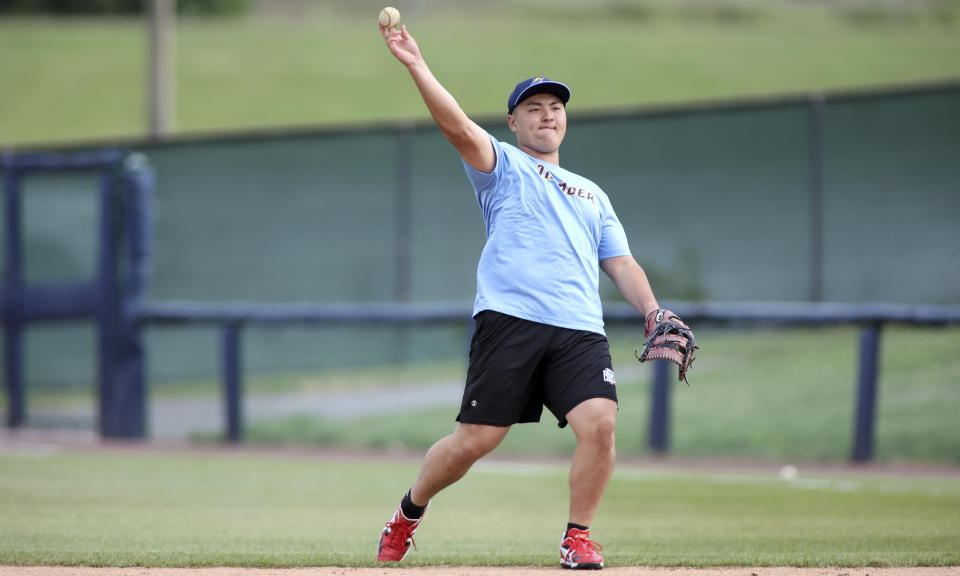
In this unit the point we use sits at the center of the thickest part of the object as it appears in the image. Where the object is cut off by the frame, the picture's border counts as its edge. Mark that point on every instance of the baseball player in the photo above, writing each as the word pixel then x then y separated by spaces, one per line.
pixel 539 338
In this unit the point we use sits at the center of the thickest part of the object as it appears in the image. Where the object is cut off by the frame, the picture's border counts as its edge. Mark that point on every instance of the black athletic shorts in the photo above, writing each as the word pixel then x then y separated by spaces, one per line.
pixel 517 367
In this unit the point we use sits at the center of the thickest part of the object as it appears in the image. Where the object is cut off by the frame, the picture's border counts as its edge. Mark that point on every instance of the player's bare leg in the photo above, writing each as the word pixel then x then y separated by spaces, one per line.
pixel 593 421
pixel 452 456
pixel 445 463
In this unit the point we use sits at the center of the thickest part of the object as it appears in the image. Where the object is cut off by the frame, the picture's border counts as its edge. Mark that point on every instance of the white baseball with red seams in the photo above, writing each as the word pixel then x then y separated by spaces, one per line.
pixel 389 17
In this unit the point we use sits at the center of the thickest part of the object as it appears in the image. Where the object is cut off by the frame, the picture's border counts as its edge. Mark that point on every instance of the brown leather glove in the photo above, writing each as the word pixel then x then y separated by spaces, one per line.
pixel 668 338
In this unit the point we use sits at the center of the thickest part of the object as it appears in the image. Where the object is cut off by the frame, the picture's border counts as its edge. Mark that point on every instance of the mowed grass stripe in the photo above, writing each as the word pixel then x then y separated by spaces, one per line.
pixel 162 509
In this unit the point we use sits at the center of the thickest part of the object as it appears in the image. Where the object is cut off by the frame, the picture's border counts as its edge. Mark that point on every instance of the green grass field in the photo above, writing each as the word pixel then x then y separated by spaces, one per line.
pixel 770 396
pixel 124 508
pixel 84 78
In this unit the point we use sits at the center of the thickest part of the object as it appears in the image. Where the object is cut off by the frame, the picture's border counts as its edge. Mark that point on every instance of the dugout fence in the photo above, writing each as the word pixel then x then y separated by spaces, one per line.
pixel 840 197
pixel 843 197
pixel 116 299
pixel 123 238
pixel 232 318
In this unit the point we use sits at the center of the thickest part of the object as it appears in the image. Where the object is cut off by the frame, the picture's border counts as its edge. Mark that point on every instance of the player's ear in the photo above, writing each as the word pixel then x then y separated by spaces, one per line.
pixel 511 122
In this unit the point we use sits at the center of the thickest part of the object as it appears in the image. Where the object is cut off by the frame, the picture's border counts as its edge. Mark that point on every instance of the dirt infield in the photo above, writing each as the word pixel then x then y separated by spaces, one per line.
pixel 469 571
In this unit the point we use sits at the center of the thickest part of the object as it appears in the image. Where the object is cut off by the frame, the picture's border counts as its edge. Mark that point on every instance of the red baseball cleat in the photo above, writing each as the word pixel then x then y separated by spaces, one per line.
pixel 579 552
pixel 396 538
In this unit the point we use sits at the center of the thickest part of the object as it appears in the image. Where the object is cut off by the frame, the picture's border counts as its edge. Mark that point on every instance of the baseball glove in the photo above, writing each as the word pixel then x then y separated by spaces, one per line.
pixel 668 338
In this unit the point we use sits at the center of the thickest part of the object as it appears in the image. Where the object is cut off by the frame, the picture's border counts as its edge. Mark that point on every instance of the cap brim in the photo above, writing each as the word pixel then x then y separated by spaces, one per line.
pixel 547 87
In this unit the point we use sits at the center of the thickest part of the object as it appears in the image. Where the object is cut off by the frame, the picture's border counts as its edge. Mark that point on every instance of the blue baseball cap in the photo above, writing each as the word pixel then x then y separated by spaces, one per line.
pixel 537 85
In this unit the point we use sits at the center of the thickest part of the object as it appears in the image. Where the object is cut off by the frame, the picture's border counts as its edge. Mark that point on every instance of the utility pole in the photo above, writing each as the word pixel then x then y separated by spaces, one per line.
pixel 161 84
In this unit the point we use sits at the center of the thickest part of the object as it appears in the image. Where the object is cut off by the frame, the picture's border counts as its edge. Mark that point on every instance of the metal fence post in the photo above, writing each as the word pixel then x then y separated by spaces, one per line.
pixel 660 408
pixel 866 393
pixel 130 375
pixel 403 221
pixel 815 150
pixel 403 235
pixel 232 380
pixel 12 296
pixel 107 312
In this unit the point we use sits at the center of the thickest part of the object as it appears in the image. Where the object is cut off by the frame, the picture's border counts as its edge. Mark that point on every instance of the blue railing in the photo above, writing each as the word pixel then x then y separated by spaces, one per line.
pixel 232 317
pixel 125 192
pixel 116 300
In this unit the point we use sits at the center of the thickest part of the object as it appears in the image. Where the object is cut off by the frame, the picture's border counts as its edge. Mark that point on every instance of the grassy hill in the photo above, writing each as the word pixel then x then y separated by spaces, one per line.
pixel 81 79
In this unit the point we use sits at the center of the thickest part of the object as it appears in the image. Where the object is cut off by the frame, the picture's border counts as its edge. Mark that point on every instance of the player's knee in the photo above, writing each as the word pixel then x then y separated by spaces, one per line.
pixel 473 451
pixel 600 433
pixel 606 433
pixel 475 443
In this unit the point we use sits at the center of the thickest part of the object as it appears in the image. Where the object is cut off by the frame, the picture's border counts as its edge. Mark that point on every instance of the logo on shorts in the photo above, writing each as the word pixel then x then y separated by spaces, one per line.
pixel 473 403
pixel 609 377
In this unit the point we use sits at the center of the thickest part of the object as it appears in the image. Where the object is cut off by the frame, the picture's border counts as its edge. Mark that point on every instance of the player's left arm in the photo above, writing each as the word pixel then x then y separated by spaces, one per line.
pixel 666 336
pixel 630 279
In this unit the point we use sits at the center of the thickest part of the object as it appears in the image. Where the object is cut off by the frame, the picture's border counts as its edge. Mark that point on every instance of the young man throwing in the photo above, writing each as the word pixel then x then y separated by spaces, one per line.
pixel 539 338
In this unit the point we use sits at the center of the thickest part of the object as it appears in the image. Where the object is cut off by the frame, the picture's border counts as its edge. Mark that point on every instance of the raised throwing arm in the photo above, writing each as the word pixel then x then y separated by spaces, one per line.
pixel 470 140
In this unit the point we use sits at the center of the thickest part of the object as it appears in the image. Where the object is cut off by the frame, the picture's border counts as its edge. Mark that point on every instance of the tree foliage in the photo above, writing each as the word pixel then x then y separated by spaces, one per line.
pixel 118 7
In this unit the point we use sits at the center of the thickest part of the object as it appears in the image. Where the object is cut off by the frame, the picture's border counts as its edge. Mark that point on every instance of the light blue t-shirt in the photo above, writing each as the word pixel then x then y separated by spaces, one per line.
pixel 547 231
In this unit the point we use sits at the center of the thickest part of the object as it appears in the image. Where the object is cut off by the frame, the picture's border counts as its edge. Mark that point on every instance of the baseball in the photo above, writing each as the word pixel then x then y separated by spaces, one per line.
pixel 389 17
pixel 789 472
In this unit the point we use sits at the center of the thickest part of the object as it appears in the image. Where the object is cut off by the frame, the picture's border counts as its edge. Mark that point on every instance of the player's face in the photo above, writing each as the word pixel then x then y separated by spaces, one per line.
pixel 540 123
